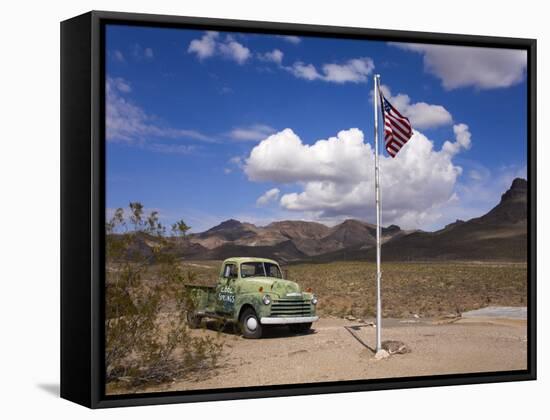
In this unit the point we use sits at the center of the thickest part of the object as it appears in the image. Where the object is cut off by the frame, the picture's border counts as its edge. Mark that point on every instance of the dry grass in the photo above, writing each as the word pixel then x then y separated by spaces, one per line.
pixel 425 289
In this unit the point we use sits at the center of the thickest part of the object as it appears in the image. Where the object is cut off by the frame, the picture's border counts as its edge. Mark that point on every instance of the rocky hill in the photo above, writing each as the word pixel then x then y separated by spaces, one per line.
pixel 295 239
pixel 501 234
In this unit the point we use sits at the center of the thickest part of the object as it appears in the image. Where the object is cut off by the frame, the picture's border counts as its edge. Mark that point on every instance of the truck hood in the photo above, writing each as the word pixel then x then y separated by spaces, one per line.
pixel 280 287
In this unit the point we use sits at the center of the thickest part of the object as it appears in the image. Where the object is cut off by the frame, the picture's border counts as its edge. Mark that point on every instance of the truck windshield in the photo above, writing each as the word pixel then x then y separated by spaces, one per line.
pixel 252 269
pixel 259 269
pixel 272 270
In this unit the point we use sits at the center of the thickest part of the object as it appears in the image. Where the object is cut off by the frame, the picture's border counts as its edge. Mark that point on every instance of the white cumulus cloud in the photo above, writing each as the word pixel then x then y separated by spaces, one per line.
pixel 275 56
pixel 421 114
pixel 355 70
pixel 118 83
pixel 204 47
pixel 234 50
pixel 255 132
pixel 142 53
pixel 304 71
pixel 268 197
pixel 129 123
pixel 483 68
pixel 463 140
pixel 291 38
pixel 335 176
pixel 118 56
pixel 210 44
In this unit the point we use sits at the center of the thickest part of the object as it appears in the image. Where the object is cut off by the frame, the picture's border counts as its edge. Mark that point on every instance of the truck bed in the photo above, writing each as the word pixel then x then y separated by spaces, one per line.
pixel 204 297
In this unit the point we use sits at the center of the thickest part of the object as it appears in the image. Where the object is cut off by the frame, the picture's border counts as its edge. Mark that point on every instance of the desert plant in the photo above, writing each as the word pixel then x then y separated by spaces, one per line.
pixel 180 228
pixel 144 344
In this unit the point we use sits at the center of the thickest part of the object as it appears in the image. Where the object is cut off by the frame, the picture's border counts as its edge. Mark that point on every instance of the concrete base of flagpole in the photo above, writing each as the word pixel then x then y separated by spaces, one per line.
pixel 381 354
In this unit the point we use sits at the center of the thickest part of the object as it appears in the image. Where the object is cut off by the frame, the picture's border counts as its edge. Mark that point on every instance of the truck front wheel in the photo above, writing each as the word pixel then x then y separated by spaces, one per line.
pixel 300 328
pixel 193 320
pixel 250 324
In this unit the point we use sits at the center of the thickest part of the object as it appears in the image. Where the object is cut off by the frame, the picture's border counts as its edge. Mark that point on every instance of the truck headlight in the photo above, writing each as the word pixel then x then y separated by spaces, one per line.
pixel 314 300
pixel 266 300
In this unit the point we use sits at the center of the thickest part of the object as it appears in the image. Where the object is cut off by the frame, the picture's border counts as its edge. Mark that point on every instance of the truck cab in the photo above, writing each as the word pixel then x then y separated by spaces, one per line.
pixel 253 293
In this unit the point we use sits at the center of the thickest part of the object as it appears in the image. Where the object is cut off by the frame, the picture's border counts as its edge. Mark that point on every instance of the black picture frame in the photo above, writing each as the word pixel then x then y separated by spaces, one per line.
pixel 83 208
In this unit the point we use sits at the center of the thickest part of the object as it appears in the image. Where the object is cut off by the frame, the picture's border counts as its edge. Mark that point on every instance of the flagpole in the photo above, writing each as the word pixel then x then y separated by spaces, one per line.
pixel 378 216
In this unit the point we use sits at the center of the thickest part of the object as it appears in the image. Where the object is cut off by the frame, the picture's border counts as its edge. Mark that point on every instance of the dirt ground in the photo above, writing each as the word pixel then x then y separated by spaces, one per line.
pixel 338 350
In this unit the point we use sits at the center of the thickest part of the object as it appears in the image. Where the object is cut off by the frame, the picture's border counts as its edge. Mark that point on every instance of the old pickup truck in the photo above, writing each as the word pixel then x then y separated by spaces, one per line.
pixel 253 293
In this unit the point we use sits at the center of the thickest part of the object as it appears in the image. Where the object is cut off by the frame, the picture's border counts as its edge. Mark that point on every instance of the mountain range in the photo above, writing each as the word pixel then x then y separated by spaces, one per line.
pixel 501 234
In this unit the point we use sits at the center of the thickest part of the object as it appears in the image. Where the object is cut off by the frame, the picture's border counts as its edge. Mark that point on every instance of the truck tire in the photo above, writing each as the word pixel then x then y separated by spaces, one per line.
pixel 193 320
pixel 250 324
pixel 300 328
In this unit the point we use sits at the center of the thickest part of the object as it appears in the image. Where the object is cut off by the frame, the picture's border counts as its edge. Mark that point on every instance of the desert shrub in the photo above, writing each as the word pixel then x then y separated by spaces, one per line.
pixel 144 344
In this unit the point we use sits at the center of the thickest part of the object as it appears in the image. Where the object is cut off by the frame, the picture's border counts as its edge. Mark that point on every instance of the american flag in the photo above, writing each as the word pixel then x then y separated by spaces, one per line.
pixel 397 128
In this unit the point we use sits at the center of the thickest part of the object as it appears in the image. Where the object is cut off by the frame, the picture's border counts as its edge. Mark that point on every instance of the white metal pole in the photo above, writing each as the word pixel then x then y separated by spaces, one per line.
pixel 378 214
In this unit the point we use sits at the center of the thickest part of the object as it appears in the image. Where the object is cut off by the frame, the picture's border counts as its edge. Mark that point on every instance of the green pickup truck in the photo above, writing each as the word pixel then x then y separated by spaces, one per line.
pixel 253 293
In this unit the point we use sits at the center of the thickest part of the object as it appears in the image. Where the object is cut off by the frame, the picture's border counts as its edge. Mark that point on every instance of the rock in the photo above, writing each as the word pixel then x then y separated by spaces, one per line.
pixel 381 354
pixel 416 316
pixel 395 347
pixel 351 318
pixel 392 229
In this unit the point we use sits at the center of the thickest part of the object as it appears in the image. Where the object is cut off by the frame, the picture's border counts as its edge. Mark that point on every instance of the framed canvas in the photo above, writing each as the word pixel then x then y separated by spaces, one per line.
pixel 257 209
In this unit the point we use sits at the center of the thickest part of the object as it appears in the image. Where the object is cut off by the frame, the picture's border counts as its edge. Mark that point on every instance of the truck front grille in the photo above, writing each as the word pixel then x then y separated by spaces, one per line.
pixel 282 308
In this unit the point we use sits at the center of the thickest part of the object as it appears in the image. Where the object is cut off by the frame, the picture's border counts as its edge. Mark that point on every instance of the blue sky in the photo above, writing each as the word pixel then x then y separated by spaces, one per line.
pixel 210 126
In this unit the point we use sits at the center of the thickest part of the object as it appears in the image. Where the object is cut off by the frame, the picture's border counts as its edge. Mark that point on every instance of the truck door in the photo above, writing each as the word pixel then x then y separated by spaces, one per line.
pixel 225 291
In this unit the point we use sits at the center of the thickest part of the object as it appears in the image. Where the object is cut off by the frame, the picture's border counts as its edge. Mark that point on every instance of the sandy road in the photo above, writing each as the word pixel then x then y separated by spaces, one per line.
pixel 332 353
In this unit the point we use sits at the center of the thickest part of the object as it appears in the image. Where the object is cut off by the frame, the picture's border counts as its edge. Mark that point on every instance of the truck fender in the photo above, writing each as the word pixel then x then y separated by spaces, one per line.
pixel 249 300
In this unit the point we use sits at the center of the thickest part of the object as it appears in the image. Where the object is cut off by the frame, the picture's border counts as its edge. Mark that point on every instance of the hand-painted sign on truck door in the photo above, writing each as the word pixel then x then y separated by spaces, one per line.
pixel 225 290
pixel 226 298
